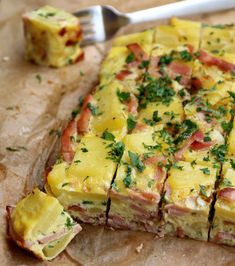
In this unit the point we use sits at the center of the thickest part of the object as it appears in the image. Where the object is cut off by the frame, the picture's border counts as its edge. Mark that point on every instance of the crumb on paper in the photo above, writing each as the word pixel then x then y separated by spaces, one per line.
pixel 5 58
pixel 139 248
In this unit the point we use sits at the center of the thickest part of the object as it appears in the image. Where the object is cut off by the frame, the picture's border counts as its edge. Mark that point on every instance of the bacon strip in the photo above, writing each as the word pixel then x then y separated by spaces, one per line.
pixel 180 69
pixel 175 210
pixel 85 115
pixel 66 142
pixel 139 53
pixel 123 74
pixel 195 142
pixel 210 60
pixel 227 193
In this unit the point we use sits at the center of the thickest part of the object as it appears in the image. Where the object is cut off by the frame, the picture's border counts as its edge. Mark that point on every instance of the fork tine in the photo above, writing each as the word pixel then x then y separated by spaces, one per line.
pixel 83 13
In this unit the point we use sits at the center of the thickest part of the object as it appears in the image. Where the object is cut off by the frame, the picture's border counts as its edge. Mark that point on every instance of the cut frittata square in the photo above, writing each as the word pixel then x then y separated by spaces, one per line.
pixel 223 226
pixel 82 187
pixel 136 191
pixel 39 224
pixel 52 37
pixel 188 194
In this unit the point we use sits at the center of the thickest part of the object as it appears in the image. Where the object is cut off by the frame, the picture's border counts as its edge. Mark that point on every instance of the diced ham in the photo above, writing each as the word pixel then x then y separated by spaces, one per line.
pixel 210 60
pixel 190 48
pixel 123 74
pixel 76 208
pixel 144 197
pixel 224 236
pixel 50 238
pixel 160 175
pixel 196 85
pixel 227 193
pixel 195 142
pixel 85 115
pixel 176 69
pixel 139 53
pixel 175 210
pixel 132 105
pixel 155 160
pixel 66 141
pixel 153 67
pixel 140 127
pixel 196 145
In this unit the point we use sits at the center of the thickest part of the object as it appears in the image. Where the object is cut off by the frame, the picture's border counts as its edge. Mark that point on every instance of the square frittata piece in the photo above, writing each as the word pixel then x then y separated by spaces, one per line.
pixel 187 197
pixel 136 191
pixel 52 37
pixel 39 224
pixel 82 187
pixel 223 226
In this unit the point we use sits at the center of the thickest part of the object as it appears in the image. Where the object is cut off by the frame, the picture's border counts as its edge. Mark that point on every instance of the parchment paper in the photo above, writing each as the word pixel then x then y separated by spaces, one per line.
pixel 30 109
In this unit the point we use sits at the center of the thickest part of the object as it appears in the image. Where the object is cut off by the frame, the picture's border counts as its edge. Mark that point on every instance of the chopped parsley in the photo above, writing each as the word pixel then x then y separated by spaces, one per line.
pixel 194 162
pixel 155 90
pixel 116 151
pixel 227 126
pixel 227 183
pixel 128 180
pixel 77 161
pixel 176 166
pixel 182 93
pixel 207 139
pixel 144 64
pixel 131 123
pixel 158 146
pixel 123 96
pixel 136 162
pixel 166 59
pixel 205 171
pixel 219 151
pixel 232 163
pixel 155 119
pixel 232 95
pixel 84 149
pixel 108 136
pixel 65 184
pixel 115 187
pixel 130 58
pixel 185 55
pixel 189 128
pixel 203 190
pixel 93 109
pixel 87 202
pixel 69 223
pixel 151 182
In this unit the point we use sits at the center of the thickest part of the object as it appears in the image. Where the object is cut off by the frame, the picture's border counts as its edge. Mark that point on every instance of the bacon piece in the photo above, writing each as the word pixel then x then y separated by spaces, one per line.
pixel 144 197
pixel 210 60
pixel 155 160
pixel 227 193
pixel 190 48
pixel 76 208
pixel 196 85
pixel 85 115
pixel 140 127
pixel 153 67
pixel 195 142
pixel 180 69
pixel 139 53
pixel 50 238
pixel 175 210
pixel 197 146
pixel 123 74
pixel 132 105
pixel 66 142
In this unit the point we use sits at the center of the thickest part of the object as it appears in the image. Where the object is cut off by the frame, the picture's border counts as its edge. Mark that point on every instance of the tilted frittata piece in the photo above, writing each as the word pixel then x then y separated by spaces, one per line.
pixel 52 37
pixel 39 224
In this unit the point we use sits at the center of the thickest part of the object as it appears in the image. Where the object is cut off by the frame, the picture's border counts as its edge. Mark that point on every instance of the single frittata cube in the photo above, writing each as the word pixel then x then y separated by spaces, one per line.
pixel 187 198
pixel 135 192
pixel 39 224
pixel 223 226
pixel 82 187
pixel 52 37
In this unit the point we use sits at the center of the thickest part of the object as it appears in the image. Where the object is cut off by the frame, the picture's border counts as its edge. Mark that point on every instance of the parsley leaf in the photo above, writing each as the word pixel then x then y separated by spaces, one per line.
pixel 93 109
pixel 232 163
pixel 69 223
pixel 108 136
pixel 227 126
pixel 205 171
pixel 219 151
pixel 128 180
pixel 136 162
pixel 226 182
pixel 189 128
pixel 123 96
pixel 185 55
pixel 131 123
pixel 116 152
pixel 130 58
pixel 203 190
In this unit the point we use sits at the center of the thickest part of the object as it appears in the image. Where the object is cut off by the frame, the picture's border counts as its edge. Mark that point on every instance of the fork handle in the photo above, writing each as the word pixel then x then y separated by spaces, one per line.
pixel 182 8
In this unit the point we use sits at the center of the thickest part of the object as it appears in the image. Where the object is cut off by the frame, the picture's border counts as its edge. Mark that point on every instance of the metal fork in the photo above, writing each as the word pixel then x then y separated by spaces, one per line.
pixel 100 23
